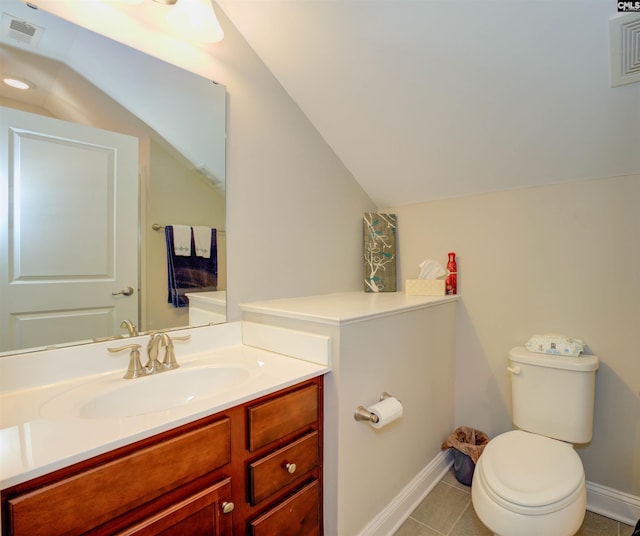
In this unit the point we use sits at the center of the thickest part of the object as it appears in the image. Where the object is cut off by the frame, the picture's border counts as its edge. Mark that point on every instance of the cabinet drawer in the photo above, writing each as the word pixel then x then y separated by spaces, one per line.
pixel 271 420
pixel 85 500
pixel 267 475
pixel 298 515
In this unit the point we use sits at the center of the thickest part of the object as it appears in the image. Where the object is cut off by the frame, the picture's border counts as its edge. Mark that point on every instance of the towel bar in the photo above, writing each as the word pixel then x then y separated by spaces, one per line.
pixel 158 227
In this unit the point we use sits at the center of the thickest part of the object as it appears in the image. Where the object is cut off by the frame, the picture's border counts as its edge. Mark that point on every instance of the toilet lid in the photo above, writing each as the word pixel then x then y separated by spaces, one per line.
pixel 529 470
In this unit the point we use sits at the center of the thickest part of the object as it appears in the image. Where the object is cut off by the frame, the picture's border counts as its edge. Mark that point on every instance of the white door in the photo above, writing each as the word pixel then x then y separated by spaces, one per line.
pixel 68 231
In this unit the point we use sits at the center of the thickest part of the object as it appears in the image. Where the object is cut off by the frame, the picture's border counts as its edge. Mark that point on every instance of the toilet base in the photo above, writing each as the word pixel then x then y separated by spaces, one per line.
pixel 503 522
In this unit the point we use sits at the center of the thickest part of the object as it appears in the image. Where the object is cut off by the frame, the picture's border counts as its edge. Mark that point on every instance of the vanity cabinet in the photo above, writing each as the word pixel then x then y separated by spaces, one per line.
pixel 285 473
pixel 247 470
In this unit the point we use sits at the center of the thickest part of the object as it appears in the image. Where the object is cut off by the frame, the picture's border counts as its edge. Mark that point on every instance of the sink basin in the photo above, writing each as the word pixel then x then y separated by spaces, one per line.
pixel 118 398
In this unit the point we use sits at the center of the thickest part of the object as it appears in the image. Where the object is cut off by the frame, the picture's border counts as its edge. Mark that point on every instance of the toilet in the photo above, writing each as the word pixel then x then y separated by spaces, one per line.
pixel 530 481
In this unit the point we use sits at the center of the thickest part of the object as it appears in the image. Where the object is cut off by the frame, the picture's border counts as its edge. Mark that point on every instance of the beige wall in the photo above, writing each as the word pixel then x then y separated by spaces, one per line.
pixel 409 355
pixel 174 194
pixel 560 259
pixel 294 223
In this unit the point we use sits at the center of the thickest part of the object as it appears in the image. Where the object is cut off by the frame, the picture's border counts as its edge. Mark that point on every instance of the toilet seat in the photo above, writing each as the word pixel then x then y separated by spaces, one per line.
pixel 530 474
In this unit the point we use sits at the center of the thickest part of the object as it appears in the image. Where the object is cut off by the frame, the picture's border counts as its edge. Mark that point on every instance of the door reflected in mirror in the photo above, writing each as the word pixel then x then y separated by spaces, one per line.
pixel 83 217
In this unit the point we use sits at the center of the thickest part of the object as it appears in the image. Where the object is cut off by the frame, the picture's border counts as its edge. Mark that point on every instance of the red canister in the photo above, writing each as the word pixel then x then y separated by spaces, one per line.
pixel 452 277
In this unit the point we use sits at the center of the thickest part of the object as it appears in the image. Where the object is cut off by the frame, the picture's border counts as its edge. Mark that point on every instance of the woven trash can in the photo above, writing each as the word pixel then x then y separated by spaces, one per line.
pixel 468 444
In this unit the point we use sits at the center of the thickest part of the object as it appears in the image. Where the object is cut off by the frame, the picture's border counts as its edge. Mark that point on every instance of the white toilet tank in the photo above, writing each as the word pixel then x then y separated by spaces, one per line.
pixel 553 395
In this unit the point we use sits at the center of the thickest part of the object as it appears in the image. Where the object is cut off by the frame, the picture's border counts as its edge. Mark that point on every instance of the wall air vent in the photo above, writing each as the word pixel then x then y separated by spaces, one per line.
pixel 20 30
pixel 624 36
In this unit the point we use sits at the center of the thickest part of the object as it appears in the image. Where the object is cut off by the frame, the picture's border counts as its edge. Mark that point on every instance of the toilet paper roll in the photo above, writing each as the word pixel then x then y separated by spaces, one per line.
pixel 387 411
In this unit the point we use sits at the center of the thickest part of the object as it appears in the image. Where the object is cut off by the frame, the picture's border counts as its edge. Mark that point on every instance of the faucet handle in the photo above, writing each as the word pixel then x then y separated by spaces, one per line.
pixel 135 368
pixel 170 361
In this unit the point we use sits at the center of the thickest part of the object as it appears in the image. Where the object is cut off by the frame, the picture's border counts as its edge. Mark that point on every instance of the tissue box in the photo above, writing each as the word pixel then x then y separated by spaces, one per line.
pixel 424 287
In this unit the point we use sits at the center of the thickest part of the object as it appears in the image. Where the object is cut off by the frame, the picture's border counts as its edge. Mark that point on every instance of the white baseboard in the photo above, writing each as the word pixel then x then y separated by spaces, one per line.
pixel 608 502
pixel 397 512
pixel 613 504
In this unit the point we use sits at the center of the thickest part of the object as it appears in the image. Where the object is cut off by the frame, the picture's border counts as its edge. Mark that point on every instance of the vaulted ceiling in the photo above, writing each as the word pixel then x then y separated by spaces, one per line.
pixel 427 99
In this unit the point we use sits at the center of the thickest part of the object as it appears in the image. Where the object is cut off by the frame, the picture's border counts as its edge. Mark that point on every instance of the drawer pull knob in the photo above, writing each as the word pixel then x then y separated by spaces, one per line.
pixel 291 468
pixel 227 507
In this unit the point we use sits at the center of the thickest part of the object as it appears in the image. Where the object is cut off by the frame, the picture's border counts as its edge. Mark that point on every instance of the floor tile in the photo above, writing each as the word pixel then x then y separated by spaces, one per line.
pixel 470 525
pixel 448 511
pixel 626 530
pixel 442 507
pixel 597 525
pixel 412 528
pixel 450 478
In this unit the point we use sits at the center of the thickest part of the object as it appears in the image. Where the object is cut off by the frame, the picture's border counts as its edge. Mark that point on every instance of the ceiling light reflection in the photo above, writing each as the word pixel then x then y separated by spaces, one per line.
pixel 195 20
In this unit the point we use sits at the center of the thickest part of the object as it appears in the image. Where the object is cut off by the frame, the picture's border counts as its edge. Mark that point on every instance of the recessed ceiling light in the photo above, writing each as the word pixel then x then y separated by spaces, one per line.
pixel 16 83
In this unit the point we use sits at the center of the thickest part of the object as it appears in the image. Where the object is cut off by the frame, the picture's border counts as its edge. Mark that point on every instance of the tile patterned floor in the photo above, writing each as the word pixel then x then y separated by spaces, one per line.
pixel 447 511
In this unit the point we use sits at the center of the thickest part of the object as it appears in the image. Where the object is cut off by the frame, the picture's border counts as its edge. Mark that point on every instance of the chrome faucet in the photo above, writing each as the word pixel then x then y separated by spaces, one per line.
pixel 153 365
pixel 153 348
pixel 130 327
pixel 169 362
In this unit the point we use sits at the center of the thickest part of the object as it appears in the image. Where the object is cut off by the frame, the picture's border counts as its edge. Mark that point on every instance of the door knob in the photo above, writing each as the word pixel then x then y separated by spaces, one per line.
pixel 125 292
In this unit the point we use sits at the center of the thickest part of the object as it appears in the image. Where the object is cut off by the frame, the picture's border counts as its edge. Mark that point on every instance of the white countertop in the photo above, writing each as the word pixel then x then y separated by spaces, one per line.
pixel 344 308
pixel 218 297
pixel 34 440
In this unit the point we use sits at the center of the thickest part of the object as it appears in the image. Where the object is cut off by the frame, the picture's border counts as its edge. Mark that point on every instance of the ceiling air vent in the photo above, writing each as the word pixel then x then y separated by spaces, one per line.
pixel 20 30
pixel 624 35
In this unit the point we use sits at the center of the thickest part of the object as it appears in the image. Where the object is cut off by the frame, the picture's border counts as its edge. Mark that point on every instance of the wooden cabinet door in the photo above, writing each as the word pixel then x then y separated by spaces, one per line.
pixel 201 514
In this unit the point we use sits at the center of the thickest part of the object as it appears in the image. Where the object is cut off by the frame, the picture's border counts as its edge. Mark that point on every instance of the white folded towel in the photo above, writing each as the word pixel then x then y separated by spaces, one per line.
pixel 202 239
pixel 182 240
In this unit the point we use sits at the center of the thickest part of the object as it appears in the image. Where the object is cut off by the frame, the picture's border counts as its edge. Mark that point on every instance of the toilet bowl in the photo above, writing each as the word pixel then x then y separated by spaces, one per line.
pixel 529 485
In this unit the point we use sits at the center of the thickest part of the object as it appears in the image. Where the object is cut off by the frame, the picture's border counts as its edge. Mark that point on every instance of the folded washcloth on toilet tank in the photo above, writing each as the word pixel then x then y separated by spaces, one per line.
pixel 555 344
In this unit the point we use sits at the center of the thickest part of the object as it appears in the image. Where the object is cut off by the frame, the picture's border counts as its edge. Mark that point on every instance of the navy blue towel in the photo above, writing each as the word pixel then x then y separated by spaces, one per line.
pixel 189 274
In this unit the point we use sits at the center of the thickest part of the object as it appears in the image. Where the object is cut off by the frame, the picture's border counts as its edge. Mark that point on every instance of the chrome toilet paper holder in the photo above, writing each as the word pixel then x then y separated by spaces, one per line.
pixel 362 414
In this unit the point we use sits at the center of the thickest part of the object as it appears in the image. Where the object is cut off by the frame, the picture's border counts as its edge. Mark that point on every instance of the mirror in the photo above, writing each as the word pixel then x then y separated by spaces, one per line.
pixel 176 121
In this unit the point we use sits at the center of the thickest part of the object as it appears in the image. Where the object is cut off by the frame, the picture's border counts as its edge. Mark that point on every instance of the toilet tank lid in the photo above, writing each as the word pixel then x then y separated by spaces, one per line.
pixel 585 363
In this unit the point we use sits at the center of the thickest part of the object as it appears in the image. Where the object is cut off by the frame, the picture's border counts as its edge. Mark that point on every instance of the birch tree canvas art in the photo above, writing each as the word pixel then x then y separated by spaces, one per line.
pixel 379 232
